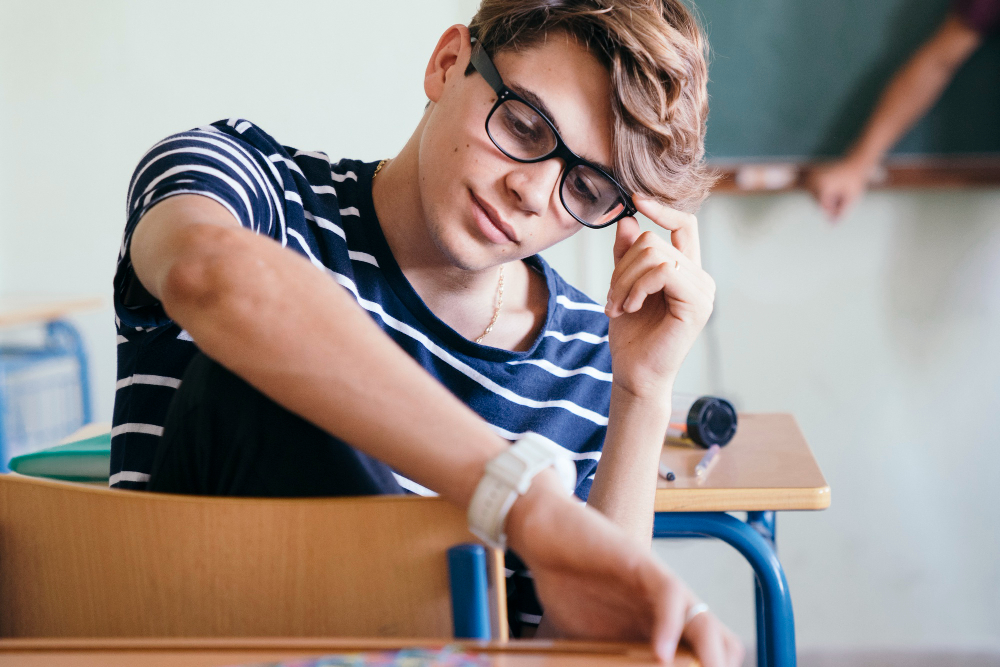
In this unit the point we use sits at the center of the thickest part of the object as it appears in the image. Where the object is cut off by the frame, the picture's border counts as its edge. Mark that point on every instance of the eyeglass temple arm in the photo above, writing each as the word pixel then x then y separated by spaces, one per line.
pixel 481 61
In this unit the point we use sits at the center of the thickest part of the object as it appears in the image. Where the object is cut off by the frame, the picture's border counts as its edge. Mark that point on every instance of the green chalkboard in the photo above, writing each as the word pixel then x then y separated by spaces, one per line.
pixel 797 78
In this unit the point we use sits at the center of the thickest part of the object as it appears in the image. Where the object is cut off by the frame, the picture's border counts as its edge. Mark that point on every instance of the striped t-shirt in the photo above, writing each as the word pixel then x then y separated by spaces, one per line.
pixel 560 388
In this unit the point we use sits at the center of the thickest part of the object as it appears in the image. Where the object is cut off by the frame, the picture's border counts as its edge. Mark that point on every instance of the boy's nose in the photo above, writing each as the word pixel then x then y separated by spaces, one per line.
pixel 533 184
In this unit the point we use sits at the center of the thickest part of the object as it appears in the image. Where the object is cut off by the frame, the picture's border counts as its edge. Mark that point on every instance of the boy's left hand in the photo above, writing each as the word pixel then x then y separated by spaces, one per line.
pixel 659 301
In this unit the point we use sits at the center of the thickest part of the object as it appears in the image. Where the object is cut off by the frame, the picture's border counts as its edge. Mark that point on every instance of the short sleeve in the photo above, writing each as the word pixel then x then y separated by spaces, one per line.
pixel 213 161
pixel 983 16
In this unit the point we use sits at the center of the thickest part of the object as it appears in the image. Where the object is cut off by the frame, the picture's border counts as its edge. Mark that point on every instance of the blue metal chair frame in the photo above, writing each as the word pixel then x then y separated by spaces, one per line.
pixel 61 340
pixel 470 595
pixel 754 539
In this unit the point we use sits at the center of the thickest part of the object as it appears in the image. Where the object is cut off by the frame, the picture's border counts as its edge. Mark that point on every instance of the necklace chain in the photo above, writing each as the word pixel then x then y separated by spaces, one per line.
pixel 496 312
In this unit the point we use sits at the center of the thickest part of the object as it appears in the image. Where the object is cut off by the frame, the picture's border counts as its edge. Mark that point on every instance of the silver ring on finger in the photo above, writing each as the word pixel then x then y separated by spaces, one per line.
pixel 694 610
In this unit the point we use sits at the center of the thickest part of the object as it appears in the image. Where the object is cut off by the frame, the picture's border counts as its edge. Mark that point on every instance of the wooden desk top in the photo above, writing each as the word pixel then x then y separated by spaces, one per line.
pixel 767 466
pixel 26 309
pixel 243 651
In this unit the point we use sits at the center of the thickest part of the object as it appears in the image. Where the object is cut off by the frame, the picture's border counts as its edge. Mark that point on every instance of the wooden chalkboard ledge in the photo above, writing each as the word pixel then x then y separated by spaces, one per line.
pixel 898 172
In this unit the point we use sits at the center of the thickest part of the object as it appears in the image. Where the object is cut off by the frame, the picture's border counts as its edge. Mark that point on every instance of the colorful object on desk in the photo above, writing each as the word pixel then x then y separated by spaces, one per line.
pixel 446 657
pixel 702 420
pixel 86 460
pixel 666 473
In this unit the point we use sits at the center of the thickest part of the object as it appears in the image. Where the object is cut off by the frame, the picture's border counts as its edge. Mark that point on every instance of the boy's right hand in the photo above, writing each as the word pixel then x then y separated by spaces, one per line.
pixel 595 582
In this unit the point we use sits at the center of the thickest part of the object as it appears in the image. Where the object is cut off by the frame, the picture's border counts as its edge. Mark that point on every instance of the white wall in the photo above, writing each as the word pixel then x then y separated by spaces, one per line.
pixel 882 335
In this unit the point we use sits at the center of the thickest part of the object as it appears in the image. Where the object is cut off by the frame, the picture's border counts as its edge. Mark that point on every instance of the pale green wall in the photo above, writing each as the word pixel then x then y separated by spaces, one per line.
pixel 881 334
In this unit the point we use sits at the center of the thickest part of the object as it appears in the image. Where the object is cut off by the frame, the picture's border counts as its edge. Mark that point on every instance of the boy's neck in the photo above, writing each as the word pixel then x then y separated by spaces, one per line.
pixel 464 299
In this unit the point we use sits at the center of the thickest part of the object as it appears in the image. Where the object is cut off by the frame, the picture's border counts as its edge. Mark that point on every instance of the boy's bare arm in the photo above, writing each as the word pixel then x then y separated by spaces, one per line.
pixel 659 301
pixel 287 328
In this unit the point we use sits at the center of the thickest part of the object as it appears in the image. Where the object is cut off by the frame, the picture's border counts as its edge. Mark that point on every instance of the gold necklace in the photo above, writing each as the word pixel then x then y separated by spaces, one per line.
pixel 496 313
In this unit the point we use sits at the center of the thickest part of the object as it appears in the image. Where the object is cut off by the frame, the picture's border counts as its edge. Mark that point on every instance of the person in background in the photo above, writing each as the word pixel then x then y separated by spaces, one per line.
pixel 911 93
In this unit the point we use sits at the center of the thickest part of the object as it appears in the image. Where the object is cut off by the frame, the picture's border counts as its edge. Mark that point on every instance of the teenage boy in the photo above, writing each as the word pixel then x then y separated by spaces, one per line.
pixel 244 370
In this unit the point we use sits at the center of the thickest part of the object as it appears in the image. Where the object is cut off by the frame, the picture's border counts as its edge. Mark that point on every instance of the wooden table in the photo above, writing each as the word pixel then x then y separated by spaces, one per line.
pixel 767 467
pixel 227 652
pixel 29 309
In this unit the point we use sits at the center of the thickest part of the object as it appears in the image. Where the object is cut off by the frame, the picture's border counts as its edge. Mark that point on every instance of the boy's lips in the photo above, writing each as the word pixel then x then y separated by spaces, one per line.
pixel 490 222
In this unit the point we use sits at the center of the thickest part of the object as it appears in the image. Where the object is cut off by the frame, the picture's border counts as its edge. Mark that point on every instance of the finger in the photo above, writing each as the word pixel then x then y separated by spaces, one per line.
pixel 649 250
pixel 634 251
pixel 829 201
pixel 668 622
pixel 625 235
pixel 705 636
pixel 678 288
pixel 651 270
pixel 683 227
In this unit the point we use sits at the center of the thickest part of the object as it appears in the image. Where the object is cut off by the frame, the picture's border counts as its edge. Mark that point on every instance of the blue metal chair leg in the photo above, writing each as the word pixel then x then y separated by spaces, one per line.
pixel 470 608
pixel 776 603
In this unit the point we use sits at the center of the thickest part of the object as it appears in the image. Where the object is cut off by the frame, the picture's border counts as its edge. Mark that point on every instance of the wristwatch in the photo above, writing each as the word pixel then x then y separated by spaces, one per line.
pixel 508 476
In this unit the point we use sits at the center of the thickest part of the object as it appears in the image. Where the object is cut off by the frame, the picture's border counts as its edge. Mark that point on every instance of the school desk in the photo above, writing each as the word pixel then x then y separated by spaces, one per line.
pixel 28 309
pixel 245 651
pixel 767 467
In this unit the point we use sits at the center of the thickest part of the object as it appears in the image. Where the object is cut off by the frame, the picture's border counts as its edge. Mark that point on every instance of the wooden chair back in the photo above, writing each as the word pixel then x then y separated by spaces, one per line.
pixel 80 561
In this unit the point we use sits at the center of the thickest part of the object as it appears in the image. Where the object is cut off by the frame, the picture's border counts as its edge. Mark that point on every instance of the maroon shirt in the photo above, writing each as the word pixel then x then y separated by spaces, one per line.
pixel 983 16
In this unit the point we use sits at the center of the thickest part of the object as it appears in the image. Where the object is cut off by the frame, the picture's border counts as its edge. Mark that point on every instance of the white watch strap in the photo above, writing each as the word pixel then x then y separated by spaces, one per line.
pixel 509 475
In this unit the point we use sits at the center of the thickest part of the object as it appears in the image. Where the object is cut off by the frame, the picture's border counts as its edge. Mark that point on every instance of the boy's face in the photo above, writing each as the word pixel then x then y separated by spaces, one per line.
pixel 483 208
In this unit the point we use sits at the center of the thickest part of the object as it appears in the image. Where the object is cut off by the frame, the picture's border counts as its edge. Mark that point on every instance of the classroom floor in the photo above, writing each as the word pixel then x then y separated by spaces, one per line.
pixel 897 658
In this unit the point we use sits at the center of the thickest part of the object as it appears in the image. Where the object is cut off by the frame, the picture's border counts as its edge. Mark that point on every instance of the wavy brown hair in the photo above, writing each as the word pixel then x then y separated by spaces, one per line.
pixel 655 52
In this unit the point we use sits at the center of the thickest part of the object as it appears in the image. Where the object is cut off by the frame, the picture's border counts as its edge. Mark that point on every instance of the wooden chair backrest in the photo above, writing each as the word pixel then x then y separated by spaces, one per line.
pixel 79 561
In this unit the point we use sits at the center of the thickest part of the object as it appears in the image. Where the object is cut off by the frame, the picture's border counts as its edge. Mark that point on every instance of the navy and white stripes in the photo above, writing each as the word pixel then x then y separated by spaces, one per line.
pixel 560 388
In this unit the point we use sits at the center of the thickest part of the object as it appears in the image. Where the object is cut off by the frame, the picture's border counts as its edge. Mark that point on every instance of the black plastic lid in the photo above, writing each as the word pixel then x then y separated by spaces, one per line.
pixel 711 421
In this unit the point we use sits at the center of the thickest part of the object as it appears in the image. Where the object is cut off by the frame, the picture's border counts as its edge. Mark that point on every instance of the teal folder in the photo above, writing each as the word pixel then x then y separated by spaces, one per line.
pixel 80 461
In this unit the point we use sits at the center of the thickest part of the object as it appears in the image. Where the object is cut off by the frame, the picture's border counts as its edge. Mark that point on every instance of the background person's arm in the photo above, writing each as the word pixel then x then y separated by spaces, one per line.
pixel 912 91
pixel 274 319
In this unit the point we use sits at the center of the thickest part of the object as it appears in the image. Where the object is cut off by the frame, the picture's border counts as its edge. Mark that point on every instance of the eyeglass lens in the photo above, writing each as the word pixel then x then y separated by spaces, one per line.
pixel 523 134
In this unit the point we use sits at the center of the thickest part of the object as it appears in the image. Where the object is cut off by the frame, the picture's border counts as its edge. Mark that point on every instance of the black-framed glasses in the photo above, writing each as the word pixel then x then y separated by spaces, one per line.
pixel 523 133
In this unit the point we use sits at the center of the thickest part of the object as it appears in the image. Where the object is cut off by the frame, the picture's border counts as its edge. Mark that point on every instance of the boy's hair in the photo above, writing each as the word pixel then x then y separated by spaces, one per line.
pixel 655 53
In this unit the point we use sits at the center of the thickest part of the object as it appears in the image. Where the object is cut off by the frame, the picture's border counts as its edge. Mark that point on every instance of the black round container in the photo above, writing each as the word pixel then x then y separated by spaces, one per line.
pixel 711 421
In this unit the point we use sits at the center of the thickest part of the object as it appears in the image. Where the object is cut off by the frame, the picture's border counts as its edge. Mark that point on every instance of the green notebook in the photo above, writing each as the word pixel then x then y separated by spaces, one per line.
pixel 86 460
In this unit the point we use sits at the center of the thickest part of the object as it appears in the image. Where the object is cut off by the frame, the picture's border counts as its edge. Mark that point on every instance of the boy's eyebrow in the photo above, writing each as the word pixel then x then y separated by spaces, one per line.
pixel 540 105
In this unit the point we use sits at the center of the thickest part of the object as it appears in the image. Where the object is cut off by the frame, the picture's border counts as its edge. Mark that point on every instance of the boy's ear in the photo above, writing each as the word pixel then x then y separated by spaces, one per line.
pixel 452 49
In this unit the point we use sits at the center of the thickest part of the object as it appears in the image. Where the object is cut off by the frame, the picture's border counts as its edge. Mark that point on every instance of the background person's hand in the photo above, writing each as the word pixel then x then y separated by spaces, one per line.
pixel 838 185
pixel 595 582
pixel 659 301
